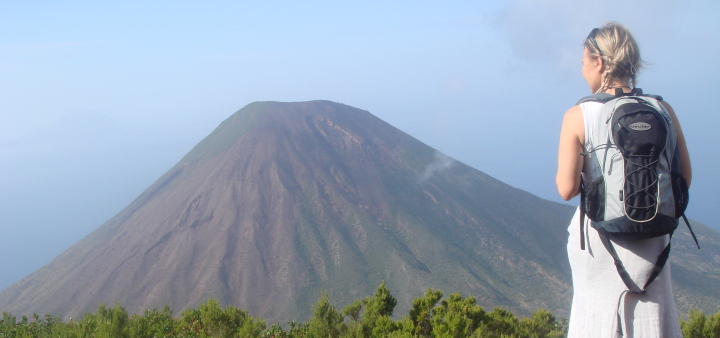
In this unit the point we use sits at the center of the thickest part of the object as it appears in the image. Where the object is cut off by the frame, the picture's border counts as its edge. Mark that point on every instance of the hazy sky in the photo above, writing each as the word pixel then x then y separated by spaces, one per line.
pixel 99 99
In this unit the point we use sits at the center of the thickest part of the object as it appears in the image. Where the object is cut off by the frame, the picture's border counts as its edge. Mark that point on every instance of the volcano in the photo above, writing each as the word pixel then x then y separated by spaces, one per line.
pixel 285 200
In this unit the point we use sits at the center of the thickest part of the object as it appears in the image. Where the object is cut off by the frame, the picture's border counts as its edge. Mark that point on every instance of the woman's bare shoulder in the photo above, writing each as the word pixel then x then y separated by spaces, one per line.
pixel 668 107
pixel 573 116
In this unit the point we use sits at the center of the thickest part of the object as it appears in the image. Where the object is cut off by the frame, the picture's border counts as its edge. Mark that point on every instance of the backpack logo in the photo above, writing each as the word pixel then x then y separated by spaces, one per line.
pixel 640 126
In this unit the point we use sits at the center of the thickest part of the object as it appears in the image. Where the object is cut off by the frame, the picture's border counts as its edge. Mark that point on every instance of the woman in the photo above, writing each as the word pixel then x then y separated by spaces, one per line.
pixel 611 60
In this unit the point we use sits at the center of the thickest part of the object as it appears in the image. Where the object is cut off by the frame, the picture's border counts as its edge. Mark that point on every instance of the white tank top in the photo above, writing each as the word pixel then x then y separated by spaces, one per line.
pixel 590 112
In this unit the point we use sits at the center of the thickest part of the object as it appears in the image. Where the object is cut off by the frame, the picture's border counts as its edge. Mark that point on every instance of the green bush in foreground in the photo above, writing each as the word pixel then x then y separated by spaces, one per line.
pixel 699 326
pixel 430 316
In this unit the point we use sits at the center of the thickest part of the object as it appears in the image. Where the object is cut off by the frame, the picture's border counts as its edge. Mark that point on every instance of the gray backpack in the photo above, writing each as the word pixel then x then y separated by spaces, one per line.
pixel 632 187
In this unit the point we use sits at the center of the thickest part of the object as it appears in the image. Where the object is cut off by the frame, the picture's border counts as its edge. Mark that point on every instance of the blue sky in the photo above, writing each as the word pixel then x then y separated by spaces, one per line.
pixel 98 99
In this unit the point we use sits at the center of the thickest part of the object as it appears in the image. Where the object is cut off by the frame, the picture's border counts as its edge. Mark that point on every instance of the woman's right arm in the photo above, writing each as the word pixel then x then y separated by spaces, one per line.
pixel 570 162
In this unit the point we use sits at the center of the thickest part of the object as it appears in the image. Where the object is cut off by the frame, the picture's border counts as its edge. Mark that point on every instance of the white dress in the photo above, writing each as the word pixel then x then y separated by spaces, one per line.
pixel 598 295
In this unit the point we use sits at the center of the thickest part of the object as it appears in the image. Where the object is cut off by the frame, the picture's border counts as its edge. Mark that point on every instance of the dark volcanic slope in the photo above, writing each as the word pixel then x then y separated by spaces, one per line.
pixel 283 200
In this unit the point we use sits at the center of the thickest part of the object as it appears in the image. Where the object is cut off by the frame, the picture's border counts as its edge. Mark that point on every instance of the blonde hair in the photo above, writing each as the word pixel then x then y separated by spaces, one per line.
pixel 619 52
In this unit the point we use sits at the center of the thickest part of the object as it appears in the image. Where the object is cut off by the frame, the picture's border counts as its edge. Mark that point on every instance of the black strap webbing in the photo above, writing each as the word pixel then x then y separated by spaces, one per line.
pixel 582 229
pixel 691 231
pixel 629 283
pixel 582 215
pixel 662 259
pixel 632 287
pixel 618 319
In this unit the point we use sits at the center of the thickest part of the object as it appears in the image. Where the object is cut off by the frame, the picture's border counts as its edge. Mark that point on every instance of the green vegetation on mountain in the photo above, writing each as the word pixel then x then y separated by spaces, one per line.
pixel 430 316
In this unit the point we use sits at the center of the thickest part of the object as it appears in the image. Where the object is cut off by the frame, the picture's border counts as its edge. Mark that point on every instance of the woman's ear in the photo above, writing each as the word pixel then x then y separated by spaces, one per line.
pixel 598 63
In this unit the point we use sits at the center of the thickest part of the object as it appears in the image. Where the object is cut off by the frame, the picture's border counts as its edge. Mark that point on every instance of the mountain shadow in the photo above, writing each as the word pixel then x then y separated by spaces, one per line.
pixel 284 200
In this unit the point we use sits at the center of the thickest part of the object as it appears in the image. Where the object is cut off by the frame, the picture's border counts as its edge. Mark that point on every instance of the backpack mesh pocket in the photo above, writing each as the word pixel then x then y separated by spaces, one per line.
pixel 594 199
pixel 680 193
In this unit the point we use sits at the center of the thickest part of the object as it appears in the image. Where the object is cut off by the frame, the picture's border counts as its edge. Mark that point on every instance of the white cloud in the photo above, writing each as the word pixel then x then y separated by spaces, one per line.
pixel 547 31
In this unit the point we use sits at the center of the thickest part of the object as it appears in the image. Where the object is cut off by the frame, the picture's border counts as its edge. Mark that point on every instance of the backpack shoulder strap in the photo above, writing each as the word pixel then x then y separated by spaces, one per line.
pixel 606 97
pixel 602 98
pixel 656 97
